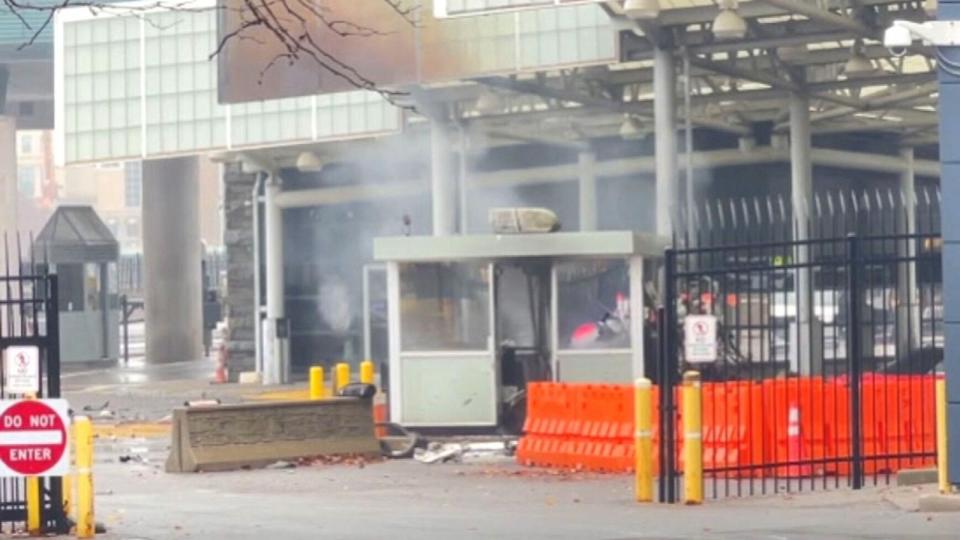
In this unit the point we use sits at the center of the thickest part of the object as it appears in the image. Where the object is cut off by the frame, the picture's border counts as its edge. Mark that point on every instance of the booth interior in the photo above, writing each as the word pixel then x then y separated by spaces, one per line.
pixel 472 319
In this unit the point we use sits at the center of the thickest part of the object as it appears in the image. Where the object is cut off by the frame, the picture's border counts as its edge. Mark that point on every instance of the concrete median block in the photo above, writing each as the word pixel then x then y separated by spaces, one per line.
pixel 939 503
pixel 231 437
pixel 916 477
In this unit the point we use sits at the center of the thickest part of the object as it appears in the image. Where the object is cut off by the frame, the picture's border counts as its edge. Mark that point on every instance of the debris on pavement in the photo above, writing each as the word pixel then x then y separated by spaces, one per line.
pixel 436 452
pixel 281 465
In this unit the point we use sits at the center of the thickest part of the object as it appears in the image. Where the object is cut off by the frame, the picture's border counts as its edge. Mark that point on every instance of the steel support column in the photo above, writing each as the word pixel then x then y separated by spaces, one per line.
pixel 588 191
pixel 665 122
pixel 908 307
pixel 276 358
pixel 443 184
pixel 8 178
pixel 801 191
pixel 950 186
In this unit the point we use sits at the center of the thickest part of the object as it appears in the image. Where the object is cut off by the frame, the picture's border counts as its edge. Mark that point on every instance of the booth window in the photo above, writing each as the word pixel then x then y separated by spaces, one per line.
pixel 444 307
pixel 593 304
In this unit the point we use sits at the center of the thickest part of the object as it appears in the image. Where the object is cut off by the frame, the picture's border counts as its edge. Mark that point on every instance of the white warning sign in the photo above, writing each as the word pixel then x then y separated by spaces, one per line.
pixel 700 338
pixel 21 369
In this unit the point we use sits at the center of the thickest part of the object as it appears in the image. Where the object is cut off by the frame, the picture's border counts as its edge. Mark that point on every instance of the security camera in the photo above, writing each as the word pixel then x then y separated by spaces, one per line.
pixel 897 38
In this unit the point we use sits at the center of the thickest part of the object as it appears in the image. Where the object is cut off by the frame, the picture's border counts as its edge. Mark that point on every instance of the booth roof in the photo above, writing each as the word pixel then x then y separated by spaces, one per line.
pixel 599 244
pixel 75 234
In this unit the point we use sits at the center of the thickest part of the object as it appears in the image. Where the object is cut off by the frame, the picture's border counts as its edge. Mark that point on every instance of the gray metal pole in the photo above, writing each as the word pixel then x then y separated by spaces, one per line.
pixel 908 308
pixel 801 190
pixel 688 144
pixel 588 191
pixel 463 179
pixel 257 324
pixel 442 181
pixel 276 366
pixel 665 123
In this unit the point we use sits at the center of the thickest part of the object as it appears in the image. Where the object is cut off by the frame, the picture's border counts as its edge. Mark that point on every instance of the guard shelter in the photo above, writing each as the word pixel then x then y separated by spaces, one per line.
pixel 473 318
pixel 81 250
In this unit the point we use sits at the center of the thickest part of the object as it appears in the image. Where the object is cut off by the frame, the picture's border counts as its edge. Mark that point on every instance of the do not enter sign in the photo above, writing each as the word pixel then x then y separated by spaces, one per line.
pixel 33 438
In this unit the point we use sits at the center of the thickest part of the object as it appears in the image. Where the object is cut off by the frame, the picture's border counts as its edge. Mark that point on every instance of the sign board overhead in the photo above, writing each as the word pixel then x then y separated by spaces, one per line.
pixel 33 438
pixel 377 43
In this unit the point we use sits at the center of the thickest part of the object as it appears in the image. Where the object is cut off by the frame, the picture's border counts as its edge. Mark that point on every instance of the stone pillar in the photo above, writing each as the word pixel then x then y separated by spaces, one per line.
pixel 950 187
pixel 239 243
pixel 443 185
pixel 665 122
pixel 588 191
pixel 172 259
pixel 8 179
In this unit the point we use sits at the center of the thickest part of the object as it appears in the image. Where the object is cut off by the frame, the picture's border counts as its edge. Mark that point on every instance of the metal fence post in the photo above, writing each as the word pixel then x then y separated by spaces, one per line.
pixel 668 375
pixel 854 357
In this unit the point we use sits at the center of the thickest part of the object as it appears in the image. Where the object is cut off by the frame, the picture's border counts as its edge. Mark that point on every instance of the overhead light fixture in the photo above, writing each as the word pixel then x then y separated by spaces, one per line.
pixel 858 65
pixel 631 129
pixel 641 10
pixel 489 103
pixel 309 162
pixel 729 24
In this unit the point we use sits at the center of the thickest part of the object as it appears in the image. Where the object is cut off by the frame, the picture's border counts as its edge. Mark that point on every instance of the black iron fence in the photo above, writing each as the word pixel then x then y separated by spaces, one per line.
pixel 829 339
pixel 29 317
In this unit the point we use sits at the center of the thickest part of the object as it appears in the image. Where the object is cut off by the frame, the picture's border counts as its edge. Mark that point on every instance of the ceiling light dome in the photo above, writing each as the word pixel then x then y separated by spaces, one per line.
pixel 729 24
pixel 641 9
pixel 858 65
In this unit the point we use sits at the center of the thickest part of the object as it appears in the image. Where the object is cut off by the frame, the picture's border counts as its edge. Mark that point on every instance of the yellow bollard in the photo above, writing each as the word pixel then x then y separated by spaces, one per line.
pixel 316 382
pixel 692 439
pixel 366 372
pixel 343 376
pixel 942 480
pixel 34 505
pixel 67 489
pixel 643 439
pixel 83 431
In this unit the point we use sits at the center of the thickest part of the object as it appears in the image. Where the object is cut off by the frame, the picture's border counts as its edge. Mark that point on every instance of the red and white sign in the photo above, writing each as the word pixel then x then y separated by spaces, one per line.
pixel 21 369
pixel 33 438
pixel 700 338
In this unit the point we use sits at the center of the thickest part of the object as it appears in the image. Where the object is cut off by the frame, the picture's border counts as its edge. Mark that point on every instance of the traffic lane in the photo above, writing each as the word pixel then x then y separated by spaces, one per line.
pixel 411 500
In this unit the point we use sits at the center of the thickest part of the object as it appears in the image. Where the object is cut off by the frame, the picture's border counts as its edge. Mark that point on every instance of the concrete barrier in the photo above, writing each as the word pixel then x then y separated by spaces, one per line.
pixel 228 437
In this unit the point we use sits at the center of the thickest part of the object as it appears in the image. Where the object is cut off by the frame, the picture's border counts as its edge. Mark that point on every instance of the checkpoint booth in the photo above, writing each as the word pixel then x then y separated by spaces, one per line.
pixel 473 318
pixel 77 245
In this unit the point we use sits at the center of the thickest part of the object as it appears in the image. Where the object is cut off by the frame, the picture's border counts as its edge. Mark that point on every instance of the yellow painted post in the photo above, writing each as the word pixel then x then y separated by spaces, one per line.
pixel 83 431
pixel 33 505
pixel 316 382
pixel 643 439
pixel 942 480
pixel 366 372
pixel 33 501
pixel 692 439
pixel 67 488
pixel 343 376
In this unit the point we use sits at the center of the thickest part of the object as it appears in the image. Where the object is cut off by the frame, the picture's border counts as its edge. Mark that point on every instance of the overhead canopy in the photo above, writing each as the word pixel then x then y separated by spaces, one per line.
pixel 75 234
pixel 488 246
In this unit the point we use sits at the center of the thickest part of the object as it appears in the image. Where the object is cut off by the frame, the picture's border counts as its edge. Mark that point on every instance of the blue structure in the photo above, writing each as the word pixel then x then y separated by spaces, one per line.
pixel 949 64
